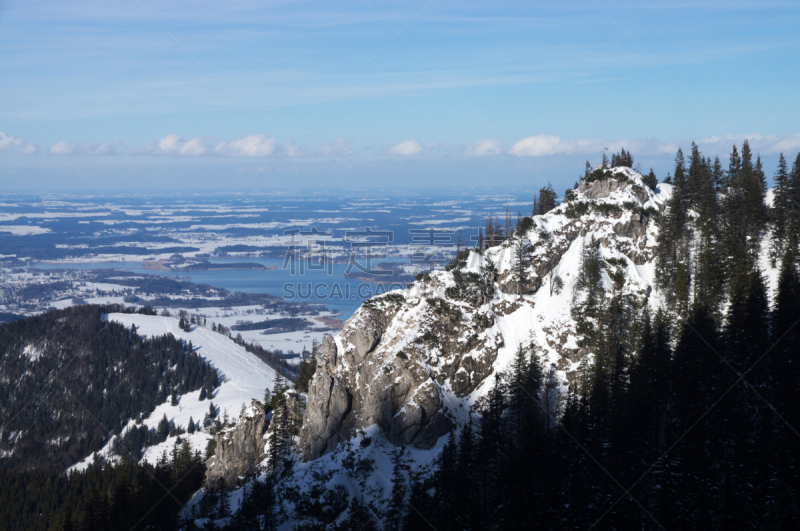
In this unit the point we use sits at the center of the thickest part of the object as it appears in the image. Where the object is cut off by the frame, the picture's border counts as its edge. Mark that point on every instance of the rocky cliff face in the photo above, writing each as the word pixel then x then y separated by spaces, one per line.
pixel 414 361
pixel 238 450
pixel 363 377
pixel 241 450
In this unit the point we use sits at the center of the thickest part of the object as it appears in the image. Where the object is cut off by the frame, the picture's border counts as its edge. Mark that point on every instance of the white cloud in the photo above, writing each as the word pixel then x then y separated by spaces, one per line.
pixel 543 145
pixel 293 150
pixel 757 141
pixel 790 143
pixel 29 149
pixel 406 147
pixel 68 148
pixel 482 148
pixel 8 141
pixel 340 147
pixel 249 146
pixel 176 145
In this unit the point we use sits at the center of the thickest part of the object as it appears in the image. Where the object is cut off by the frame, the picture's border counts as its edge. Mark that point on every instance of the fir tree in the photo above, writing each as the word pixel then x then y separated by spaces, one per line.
pixel 672 264
pixel 397 501
pixel 224 505
pixel 546 202
pixel 650 180
pixel 781 211
pixel 522 255
pixel 783 369
pixel 588 292
pixel 359 518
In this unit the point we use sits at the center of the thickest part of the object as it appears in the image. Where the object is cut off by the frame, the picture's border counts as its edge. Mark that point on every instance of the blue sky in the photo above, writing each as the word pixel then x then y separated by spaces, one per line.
pixel 209 95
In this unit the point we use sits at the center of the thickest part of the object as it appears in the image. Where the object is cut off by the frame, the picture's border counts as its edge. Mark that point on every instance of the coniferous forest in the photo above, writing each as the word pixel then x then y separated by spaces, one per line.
pixel 686 418
pixel 90 377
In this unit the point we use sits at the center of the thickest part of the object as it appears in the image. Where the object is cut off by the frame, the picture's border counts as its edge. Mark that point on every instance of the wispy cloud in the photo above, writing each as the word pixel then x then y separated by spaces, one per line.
pixel 9 141
pixel 340 147
pixel 483 148
pixel 544 145
pixel 406 147
pixel 69 148
pixel 176 145
pixel 249 146
pixel 758 142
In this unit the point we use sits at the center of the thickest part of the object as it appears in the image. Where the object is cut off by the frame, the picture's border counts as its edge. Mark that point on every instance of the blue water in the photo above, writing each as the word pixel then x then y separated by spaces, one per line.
pixel 332 290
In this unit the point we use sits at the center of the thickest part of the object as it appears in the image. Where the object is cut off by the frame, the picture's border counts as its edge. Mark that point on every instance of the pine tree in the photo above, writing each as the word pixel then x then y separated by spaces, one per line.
pixel 466 507
pixel 696 368
pixel 308 365
pixel 794 213
pixel 443 483
pixel 588 298
pixel 719 175
pixel 66 522
pixel 648 406
pixel 224 506
pixel 547 200
pixel 783 369
pixel 672 254
pixel 734 423
pixel 267 399
pixel 650 180
pixel 359 518
pixel 781 211
pixel 279 437
pixel 522 256
pixel 491 444
pixel 395 514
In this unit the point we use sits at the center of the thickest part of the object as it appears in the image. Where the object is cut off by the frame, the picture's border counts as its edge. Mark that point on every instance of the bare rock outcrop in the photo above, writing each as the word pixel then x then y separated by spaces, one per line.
pixel 388 367
pixel 238 450
pixel 241 448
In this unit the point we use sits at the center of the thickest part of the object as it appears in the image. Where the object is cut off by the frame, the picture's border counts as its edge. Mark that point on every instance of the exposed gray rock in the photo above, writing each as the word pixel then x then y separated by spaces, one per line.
pixel 403 359
pixel 367 377
pixel 238 450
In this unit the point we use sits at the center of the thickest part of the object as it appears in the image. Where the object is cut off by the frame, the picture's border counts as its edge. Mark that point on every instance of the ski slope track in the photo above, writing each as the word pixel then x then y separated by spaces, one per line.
pixel 243 377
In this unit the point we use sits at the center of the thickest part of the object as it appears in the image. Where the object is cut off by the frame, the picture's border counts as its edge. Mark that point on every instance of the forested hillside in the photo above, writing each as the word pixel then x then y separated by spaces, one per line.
pixel 682 412
pixel 686 417
pixel 103 497
pixel 69 379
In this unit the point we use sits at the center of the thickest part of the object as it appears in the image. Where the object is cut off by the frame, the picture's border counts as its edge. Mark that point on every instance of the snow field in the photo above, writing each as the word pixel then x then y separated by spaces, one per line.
pixel 243 377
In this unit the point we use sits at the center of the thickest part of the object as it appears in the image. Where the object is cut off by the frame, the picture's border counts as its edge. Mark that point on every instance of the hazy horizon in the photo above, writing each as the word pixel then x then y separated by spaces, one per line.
pixel 201 96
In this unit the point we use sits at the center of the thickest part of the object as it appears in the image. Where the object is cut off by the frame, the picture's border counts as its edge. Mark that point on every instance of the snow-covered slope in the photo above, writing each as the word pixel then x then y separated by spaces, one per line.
pixel 243 377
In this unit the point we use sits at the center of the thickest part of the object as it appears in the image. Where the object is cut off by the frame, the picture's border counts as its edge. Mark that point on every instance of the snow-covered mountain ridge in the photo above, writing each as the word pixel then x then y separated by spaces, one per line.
pixel 410 365
pixel 243 377
pixel 414 361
